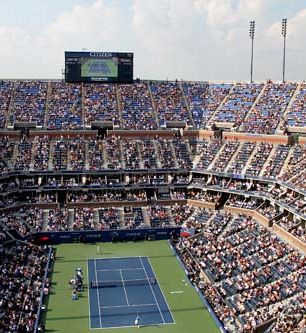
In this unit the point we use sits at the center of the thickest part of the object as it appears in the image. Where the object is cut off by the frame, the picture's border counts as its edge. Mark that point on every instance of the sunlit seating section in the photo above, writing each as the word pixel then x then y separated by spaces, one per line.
pixel 100 103
pixel 6 90
pixel 29 102
pixel 238 103
pixel 296 115
pixel 65 106
pixel 136 107
pixel 169 103
pixel 269 109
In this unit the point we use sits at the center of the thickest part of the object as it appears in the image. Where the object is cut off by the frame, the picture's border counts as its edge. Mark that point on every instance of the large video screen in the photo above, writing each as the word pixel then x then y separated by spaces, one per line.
pixel 98 67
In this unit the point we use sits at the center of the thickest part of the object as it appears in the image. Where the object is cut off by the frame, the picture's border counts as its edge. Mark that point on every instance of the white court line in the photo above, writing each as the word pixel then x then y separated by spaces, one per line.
pixel 88 286
pixel 117 269
pixel 111 327
pixel 176 292
pixel 110 258
pixel 140 258
pixel 169 309
pixel 124 306
pixel 123 284
pixel 98 294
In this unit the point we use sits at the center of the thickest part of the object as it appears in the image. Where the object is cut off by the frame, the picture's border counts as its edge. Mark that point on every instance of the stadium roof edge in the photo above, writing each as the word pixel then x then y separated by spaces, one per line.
pixel 165 80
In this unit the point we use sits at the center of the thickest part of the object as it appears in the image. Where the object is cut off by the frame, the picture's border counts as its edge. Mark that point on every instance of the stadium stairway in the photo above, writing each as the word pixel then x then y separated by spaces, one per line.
pixel 11 106
pixel 224 197
pixel 187 105
pixel 140 156
pixel 286 162
pixel 119 106
pixel 121 153
pixel 159 165
pixel 196 160
pixel 31 166
pixel 173 153
pixel 69 159
pixel 171 219
pixel 15 154
pixel 264 167
pixel 233 157
pixel 254 152
pixel 153 106
pixel 121 217
pixel 51 155
pixel 210 120
pixel 146 218
pixel 86 164
pixel 70 218
pixel 46 116
pixel 83 105
pixel 45 215
pixel 216 157
pixel 293 98
pixel 104 156
pixel 253 106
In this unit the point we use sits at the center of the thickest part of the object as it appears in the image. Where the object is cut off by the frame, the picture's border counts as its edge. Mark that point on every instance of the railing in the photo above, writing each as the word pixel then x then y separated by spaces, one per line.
pixel 203 298
pixel 42 296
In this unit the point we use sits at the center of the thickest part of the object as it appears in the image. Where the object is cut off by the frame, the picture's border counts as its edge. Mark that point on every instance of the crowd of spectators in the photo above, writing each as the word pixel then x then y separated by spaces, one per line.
pixel 7 147
pixel 136 107
pixel 65 106
pixel 22 273
pixel 29 102
pixel 251 273
pixel 83 219
pixel 281 162
pixel 109 218
pixel 237 104
pixel 41 153
pixel 207 151
pixel 203 99
pixel 269 110
pixel 159 216
pixel 148 105
pixel 24 220
pixel 105 196
pixel 24 155
pixel 169 103
pixel 276 162
pixel 240 161
pixel 243 202
pixel 6 88
pixel 133 217
pixel 257 162
pixel 221 162
pixel 100 103
pixel 296 115
pixel 58 220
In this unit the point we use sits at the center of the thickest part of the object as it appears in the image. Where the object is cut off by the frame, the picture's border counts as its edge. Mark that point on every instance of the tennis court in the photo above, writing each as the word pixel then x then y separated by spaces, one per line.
pixel 121 289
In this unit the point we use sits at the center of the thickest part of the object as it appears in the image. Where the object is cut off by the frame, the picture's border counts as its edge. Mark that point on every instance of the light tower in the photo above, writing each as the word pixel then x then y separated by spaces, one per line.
pixel 284 34
pixel 252 34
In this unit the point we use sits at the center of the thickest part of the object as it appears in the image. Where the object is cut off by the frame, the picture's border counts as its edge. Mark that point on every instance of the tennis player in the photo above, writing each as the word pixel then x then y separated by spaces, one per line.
pixel 137 321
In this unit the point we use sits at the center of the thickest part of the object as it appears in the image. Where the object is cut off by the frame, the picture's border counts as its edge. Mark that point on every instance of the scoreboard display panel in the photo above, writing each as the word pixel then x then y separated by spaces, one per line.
pixel 99 67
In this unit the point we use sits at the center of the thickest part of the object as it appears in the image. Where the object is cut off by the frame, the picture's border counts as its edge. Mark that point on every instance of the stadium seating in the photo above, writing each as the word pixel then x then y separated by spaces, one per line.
pixel 228 171
pixel 65 106
pixel 270 108
pixel 29 102
pixel 237 104
pixel 6 88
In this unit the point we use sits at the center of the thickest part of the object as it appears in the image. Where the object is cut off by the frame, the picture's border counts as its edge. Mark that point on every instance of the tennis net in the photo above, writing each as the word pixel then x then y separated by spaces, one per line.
pixel 122 283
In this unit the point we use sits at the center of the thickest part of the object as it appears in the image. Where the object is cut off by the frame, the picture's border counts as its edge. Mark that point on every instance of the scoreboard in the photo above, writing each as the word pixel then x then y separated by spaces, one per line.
pixel 99 67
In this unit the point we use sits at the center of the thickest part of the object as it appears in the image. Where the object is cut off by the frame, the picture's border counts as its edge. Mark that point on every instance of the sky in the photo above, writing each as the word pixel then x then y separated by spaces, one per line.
pixel 202 40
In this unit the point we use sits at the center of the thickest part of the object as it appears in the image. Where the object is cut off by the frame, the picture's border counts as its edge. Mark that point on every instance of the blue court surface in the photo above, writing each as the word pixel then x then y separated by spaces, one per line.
pixel 122 289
